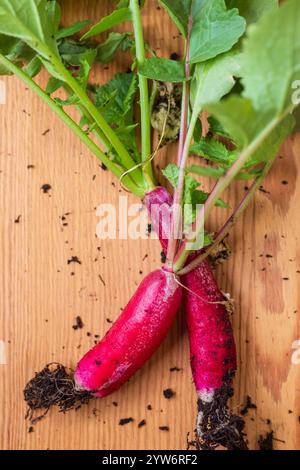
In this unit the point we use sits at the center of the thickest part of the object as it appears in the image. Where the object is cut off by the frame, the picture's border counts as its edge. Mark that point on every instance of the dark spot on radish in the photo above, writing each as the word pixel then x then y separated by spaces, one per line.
pixel 98 363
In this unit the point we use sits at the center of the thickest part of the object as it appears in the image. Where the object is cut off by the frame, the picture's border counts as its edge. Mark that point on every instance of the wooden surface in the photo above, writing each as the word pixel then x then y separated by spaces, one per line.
pixel 40 294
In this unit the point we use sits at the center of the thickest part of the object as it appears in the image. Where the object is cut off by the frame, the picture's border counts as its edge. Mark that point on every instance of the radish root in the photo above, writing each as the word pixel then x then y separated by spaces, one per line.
pixel 54 385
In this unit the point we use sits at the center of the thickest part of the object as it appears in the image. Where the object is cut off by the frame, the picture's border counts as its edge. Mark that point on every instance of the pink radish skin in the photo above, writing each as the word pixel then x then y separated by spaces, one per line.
pixel 133 338
pixel 212 346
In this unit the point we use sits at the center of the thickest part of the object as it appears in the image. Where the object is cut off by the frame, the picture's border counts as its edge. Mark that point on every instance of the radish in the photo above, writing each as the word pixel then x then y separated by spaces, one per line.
pixel 252 119
pixel 212 345
pixel 133 338
pixel 213 361
pixel 130 342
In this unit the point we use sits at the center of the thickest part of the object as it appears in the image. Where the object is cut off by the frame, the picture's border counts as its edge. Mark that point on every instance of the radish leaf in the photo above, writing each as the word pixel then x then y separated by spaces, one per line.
pixel 70 30
pixel 179 11
pixel 164 70
pixel 245 124
pixel 33 21
pixel 272 58
pixel 115 41
pixel 214 79
pixel 252 10
pixel 214 30
pixel 115 101
pixel 115 18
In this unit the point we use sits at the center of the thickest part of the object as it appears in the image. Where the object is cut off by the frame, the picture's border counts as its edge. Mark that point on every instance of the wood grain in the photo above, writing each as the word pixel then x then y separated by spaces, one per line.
pixel 40 294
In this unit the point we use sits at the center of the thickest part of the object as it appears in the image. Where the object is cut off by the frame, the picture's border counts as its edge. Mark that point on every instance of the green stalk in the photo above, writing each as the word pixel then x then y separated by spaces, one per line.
pixel 223 183
pixel 125 158
pixel 71 124
pixel 144 93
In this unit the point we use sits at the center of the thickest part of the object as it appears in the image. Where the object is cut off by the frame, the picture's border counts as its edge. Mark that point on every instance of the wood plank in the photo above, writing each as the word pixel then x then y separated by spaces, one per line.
pixel 40 296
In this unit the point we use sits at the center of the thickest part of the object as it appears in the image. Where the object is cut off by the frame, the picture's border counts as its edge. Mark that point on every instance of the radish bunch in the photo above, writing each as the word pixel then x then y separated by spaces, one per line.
pixel 234 131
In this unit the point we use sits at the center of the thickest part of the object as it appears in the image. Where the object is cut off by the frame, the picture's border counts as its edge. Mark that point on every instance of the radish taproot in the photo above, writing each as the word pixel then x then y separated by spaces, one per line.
pixel 212 345
pixel 130 342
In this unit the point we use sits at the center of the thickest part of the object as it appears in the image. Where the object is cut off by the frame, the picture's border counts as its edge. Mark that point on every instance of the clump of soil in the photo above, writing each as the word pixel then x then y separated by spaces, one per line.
pixel 216 425
pixel 168 393
pixel 54 385
pixel 266 442
pixel 79 323
pixel 124 421
pixel 248 406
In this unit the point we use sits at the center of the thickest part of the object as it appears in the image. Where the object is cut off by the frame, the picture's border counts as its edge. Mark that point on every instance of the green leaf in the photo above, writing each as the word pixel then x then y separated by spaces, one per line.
pixel 244 124
pixel 215 30
pixel 53 85
pixel 115 101
pixel 33 21
pixel 179 11
pixel 206 171
pixel 70 30
pixel 164 70
pixel 272 58
pixel 214 151
pixel 214 79
pixel 73 52
pixel 115 41
pixel 115 18
pixel 33 67
pixel 252 10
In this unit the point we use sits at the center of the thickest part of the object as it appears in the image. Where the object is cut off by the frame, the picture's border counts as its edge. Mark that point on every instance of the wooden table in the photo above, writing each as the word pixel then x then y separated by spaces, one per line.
pixel 41 294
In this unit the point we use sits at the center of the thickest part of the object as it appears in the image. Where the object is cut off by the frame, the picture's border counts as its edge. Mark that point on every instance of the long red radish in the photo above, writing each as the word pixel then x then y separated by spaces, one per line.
pixel 130 342
pixel 133 338
pixel 213 361
pixel 212 345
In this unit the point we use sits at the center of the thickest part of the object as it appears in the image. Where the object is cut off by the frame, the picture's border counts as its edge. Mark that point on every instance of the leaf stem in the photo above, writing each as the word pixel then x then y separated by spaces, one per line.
pixel 229 223
pixel 70 123
pixel 144 93
pixel 185 138
pixel 221 185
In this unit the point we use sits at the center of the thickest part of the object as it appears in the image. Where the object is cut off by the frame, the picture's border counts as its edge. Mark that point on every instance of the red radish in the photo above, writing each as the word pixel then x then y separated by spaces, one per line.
pixel 133 338
pixel 130 342
pixel 212 347
pixel 213 361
